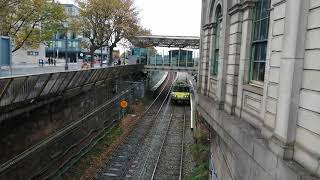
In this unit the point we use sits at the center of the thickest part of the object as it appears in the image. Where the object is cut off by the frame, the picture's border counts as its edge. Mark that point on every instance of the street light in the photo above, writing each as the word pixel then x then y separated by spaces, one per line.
pixel 66 67
pixel 101 57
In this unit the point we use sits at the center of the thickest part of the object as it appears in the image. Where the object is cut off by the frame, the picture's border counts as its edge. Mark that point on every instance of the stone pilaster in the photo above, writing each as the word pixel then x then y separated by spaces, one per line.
pixel 223 56
pixel 245 51
pixel 232 62
pixel 291 69
pixel 204 62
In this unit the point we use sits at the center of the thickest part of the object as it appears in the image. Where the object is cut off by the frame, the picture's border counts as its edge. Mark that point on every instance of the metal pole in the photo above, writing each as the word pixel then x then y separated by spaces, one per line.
pixel 54 51
pixel 187 52
pixel 148 54
pixel 10 56
pixel 197 58
pixel 139 55
pixel 179 57
pixel 193 57
pixel 101 57
pixel 65 52
pixel 155 57
pixel 170 53
pixel 77 58
pixel 162 57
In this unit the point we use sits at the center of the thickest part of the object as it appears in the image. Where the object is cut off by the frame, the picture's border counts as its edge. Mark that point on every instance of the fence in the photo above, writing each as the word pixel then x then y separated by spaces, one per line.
pixel 26 88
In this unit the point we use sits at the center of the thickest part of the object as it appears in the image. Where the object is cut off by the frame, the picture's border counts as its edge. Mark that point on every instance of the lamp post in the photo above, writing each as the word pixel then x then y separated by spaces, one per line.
pixel 101 57
pixel 66 53
pixel 66 67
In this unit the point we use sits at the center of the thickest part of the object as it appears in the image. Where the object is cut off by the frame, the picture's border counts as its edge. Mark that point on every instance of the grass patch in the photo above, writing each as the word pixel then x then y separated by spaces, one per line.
pixel 200 153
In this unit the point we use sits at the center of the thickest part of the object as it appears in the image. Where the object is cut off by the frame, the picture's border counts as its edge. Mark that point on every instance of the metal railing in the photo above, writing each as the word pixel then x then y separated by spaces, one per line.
pixel 162 61
pixel 29 87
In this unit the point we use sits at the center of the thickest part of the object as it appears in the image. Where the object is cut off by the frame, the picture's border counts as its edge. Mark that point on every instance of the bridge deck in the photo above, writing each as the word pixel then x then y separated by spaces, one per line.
pixel 167 41
pixel 170 68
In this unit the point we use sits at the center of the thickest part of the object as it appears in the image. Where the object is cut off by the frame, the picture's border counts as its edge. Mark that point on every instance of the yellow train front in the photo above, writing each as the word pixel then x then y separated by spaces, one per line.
pixel 180 93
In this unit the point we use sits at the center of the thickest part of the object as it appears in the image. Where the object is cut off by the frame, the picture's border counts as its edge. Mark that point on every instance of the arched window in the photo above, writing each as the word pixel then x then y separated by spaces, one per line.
pixel 215 49
pixel 259 40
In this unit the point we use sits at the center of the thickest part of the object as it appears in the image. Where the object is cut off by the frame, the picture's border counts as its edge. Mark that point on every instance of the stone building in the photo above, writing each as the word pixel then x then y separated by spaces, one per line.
pixel 259 88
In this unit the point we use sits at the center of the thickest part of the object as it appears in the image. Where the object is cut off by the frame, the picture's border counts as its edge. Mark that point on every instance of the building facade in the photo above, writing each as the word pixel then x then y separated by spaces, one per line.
pixel 259 87
pixel 66 44
pixel 28 56
pixel 69 44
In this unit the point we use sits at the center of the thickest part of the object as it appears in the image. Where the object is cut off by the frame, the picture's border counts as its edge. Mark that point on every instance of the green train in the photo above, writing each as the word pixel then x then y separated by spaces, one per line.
pixel 180 92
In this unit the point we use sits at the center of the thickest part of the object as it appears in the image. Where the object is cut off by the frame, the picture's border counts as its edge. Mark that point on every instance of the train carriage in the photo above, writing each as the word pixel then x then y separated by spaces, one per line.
pixel 180 92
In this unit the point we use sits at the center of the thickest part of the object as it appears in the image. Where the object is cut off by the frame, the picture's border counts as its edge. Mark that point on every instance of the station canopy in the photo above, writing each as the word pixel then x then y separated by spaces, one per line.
pixel 192 42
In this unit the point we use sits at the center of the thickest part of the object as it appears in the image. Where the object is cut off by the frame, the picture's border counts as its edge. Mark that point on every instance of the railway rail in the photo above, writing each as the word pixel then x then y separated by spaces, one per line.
pixel 169 163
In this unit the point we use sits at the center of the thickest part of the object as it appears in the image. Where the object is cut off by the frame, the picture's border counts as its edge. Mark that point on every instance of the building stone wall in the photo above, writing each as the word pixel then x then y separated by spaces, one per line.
pixel 307 146
pixel 23 56
pixel 268 129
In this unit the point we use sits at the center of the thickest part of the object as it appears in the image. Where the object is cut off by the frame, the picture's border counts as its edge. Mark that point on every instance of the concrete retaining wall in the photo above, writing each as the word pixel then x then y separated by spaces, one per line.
pixel 38 138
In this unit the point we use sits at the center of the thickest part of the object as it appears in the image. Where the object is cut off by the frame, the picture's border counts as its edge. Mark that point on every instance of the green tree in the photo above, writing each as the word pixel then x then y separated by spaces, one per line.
pixel 125 23
pixel 96 18
pixel 106 22
pixel 30 22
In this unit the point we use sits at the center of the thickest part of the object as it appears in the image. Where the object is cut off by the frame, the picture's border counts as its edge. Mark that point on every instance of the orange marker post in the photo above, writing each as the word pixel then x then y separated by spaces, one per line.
pixel 124 104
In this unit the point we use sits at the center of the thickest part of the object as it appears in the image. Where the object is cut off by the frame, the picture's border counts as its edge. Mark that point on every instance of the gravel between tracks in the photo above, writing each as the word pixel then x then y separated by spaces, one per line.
pixel 188 162
pixel 168 166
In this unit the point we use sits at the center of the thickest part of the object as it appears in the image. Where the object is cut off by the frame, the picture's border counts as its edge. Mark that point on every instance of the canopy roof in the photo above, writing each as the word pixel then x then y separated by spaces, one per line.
pixel 192 42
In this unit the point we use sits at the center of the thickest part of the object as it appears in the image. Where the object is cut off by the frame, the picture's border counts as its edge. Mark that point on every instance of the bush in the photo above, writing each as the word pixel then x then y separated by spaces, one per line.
pixel 200 173
pixel 200 153
pixel 201 136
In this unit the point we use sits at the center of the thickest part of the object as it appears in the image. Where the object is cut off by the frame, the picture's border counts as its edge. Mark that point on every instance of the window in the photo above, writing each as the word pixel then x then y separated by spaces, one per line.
pixel 180 89
pixel 259 40
pixel 215 55
pixel 60 36
pixel 59 44
pixel 70 11
pixel 32 53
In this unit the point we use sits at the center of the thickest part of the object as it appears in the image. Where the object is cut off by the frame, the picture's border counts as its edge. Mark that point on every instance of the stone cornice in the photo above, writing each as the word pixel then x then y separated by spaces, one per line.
pixel 208 26
pixel 278 3
pixel 239 7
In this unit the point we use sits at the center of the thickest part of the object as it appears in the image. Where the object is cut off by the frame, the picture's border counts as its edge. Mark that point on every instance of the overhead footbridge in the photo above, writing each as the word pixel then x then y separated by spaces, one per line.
pixel 183 59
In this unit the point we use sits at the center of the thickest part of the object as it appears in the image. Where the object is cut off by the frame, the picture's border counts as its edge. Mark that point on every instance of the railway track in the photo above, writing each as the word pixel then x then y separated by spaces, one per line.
pixel 169 163
pixel 123 163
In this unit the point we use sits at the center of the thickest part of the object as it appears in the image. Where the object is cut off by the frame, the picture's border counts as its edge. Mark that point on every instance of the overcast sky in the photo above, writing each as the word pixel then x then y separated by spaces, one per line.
pixel 169 17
